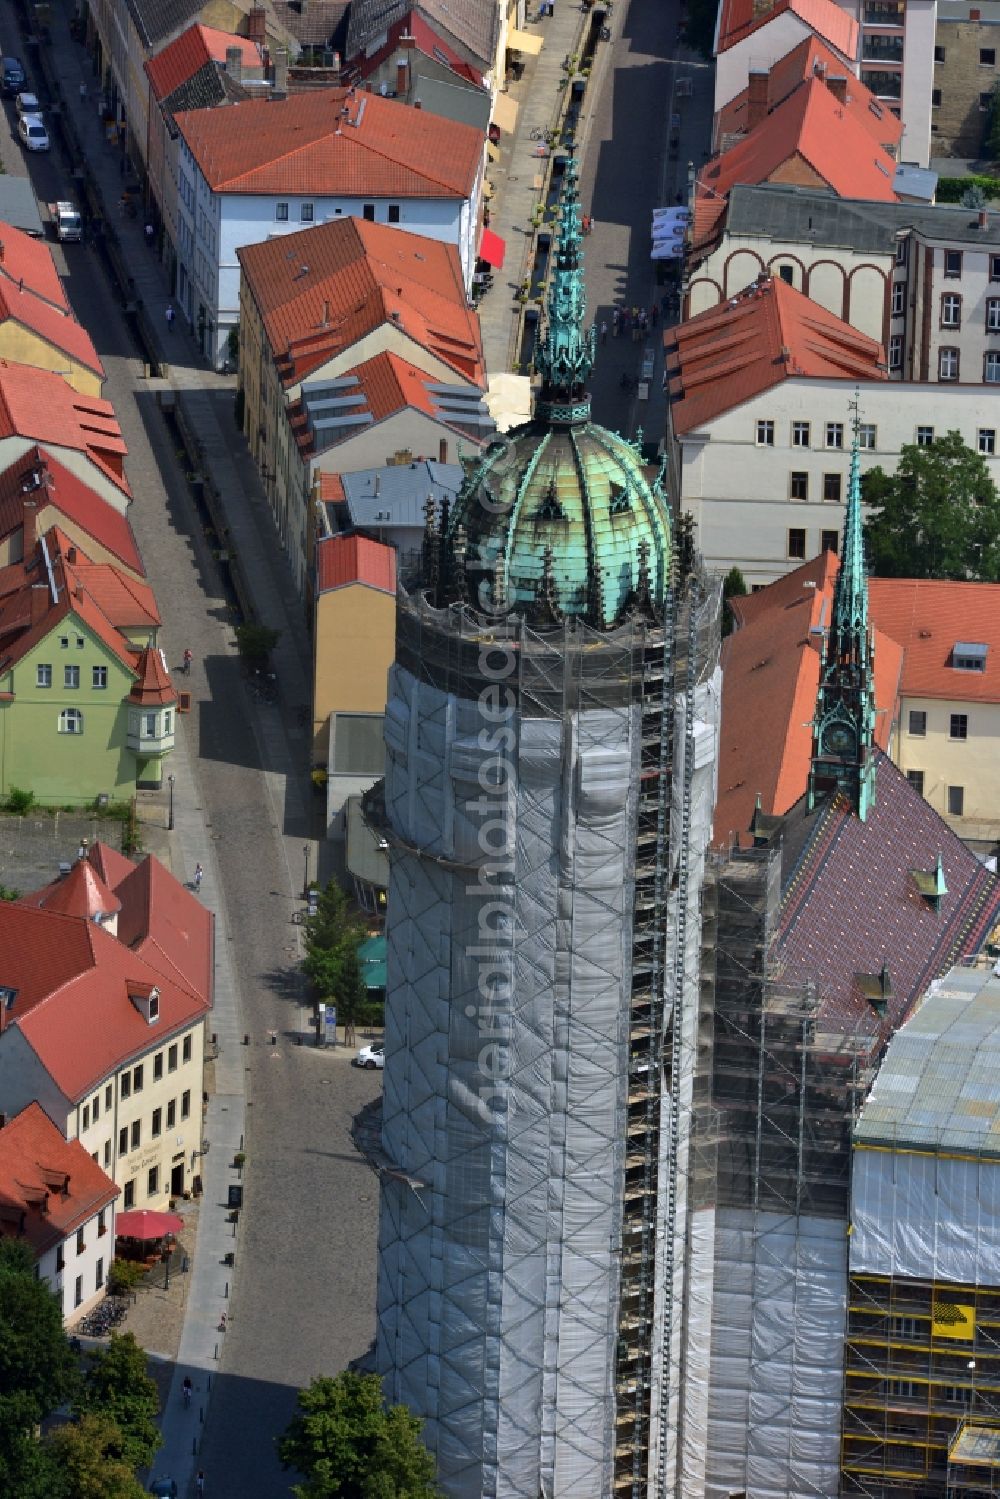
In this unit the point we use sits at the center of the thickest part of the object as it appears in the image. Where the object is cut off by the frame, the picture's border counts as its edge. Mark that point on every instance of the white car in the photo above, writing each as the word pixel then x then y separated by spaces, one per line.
pixel 27 104
pixel 33 133
pixel 370 1056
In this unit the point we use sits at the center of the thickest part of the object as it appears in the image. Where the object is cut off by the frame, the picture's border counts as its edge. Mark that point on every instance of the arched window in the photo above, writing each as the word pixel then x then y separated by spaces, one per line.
pixel 71 721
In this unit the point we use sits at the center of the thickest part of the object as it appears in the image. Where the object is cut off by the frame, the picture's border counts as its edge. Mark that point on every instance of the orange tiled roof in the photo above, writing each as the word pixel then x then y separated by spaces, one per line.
pixel 59 329
pixel 813 58
pixel 321 290
pixel 331 489
pixel 40 405
pixel 181 58
pixel 49 1186
pixel 810 124
pixel 307 144
pixel 771 332
pixel 740 18
pixel 927 617
pixel 28 262
pixel 341 560
pixel 129 603
pixel 769 685
pixel 73 500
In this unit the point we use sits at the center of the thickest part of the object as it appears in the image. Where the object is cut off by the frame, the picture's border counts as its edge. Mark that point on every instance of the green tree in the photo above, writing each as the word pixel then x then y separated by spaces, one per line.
pixel 85 1453
pixel 331 964
pixel 349 1446
pixel 117 1387
pixel 734 585
pixel 937 516
pixel 37 1372
pixel 255 644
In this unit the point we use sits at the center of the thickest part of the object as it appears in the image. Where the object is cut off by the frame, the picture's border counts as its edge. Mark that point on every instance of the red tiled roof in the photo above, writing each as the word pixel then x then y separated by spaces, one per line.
pixel 181 58
pixel 81 893
pixel 812 58
pixel 167 925
pixel 305 144
pixel 733 352
pixel 812 125
pixel 341 560
pixel 49 1186
pixel 851 904
pixel 426 40
pixel 331 489
pixel 58 329
pixel 928 617
pixel 129 603
pixel 41 406
pixel 740 18
pixel 153 684
pixel 321 290
pixel 389 385
pixel 28 261
pixel 769 685
pixel 73 501
pixel 112 866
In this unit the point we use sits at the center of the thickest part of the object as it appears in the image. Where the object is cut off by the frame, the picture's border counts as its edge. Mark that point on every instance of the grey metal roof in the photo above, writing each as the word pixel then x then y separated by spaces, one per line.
pixel 18 205
pixel 811 217
pixel 939 1086
pixel 402 492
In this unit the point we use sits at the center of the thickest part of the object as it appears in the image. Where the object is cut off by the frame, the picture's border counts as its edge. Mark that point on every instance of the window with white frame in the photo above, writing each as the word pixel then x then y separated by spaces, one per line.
pixel 71 676
pixel 867 436
pixel 281 213
pixel 800 434
pixel 898 298
pixel 987 441
pixel 991 368
pixel 71 721
pixel 951 310
pixel 835 434
pixel 993 314
pixel 99 676
pixel 895 351
pixel 947 364
pixel 306 213
pixel 925 436
pixel 43 674
pixel 765 434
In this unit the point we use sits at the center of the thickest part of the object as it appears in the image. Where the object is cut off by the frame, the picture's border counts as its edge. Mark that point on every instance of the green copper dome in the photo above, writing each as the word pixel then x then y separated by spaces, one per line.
pixel 557 518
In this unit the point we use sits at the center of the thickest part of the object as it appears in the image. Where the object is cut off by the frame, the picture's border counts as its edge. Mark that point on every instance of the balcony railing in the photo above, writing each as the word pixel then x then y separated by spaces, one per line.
pixel 883 85
pixel 882 49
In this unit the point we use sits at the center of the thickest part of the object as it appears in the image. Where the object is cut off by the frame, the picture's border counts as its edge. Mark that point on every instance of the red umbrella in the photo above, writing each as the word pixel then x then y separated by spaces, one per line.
pixel 143 1224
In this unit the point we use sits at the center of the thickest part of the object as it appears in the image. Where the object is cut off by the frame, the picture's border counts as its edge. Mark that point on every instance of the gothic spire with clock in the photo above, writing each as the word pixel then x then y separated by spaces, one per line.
pixel 844 725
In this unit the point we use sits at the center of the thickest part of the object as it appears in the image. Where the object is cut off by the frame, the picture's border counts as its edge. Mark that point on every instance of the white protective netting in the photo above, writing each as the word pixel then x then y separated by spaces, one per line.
pixel 929 1217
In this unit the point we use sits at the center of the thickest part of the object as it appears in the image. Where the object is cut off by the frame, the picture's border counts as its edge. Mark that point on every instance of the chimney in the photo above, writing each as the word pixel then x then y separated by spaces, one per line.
pixel 984 218
pixel 234 64
pixel 257 25
pixel 71 556
pixel 407 42
pixel 838 87
pixel 378 485
pixel 975 15
pixel 326 314
pixel 443 450
pixel 756 98
pixel 819 68
pixel 29 526
pixel 1 252
pixel 39 602
pixel 280 72
pixel 402 75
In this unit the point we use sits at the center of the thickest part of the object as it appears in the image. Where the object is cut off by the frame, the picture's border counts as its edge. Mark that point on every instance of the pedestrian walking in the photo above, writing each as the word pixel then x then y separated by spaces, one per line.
pixel 81 852
pixel 170 315
pixel 188 658
pixel 83 92
pixel 625 319
pixel 644 322
pixel 604 333
pixel 616 321
pixel 150 233
pixel 198 876
pixel 199 1483
pixel 635 325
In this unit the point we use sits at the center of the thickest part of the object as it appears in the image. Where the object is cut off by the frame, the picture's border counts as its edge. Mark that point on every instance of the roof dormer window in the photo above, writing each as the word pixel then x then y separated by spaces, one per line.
pixel 968 655
pixel 7 997
pixel 146 998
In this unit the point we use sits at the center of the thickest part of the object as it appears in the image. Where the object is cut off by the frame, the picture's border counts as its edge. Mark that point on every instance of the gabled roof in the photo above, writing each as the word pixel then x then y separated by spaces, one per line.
pixel 321 290
pixel 82 893
pixel 809 124
pixel 333 143
pixel 424 40
pixel 167 925
pixel 769 333
pixel 57 488
pixel 153 685
pixel 57 328
pixel 178 62
pixel 813 58
pixel 128 602
pixel 739 19
pixel 342 560
pixel 770 677
pixel 156 20
pixel 474 23
pixel 851 904
pixel 41 406
pixel 49 1186
pixel 928 617
pixel 28 262
pixel 318 23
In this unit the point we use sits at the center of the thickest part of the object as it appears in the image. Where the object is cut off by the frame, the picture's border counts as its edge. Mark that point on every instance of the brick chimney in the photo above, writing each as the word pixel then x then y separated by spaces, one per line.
pixel 280 72
pixel 257 25
pixel 756 97
pixel 402 76
pixel 39 602
pixel 837 84
pixel 443 450
pixel 975 15
pixel 234 64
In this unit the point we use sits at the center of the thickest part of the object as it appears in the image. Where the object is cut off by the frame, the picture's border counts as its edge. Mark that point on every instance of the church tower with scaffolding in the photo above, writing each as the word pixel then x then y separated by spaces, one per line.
pixel 551 737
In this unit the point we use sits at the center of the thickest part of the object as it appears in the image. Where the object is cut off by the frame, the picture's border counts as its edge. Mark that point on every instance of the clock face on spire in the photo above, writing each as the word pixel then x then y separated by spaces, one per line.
pixel 839 739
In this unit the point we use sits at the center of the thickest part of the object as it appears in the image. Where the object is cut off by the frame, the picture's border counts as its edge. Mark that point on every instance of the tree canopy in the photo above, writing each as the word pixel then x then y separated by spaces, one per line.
pixel 349 1446
pixel 117 1387
pixel 85 1453
pixel 37 1369
pixel 937 516
pixel 333 937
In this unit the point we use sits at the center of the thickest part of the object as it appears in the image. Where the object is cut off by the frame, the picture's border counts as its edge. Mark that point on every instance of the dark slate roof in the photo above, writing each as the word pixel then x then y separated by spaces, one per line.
pixel 808 216
pixel 208 87
pixel 850 904
pixel 315 23
pixel 157 21
pixel 474 23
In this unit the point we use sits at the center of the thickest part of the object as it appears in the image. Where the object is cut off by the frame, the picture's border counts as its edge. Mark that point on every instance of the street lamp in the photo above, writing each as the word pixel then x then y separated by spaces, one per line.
pixel 170 804
pixel 305 883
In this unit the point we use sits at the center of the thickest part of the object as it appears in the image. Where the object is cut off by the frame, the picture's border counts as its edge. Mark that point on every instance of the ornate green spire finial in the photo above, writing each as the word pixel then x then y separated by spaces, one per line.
pixel 844 725
pixel 565 355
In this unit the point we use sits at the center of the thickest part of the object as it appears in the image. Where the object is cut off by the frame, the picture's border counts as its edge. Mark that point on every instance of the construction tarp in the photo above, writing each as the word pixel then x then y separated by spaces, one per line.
pixel 929 1217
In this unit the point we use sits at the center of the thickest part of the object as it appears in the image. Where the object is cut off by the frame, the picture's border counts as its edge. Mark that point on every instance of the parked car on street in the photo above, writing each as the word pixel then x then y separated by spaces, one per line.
pixel 27 104
pixel 12 77
pixel 31 129
pixel 166 1488
pixel 370 1056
